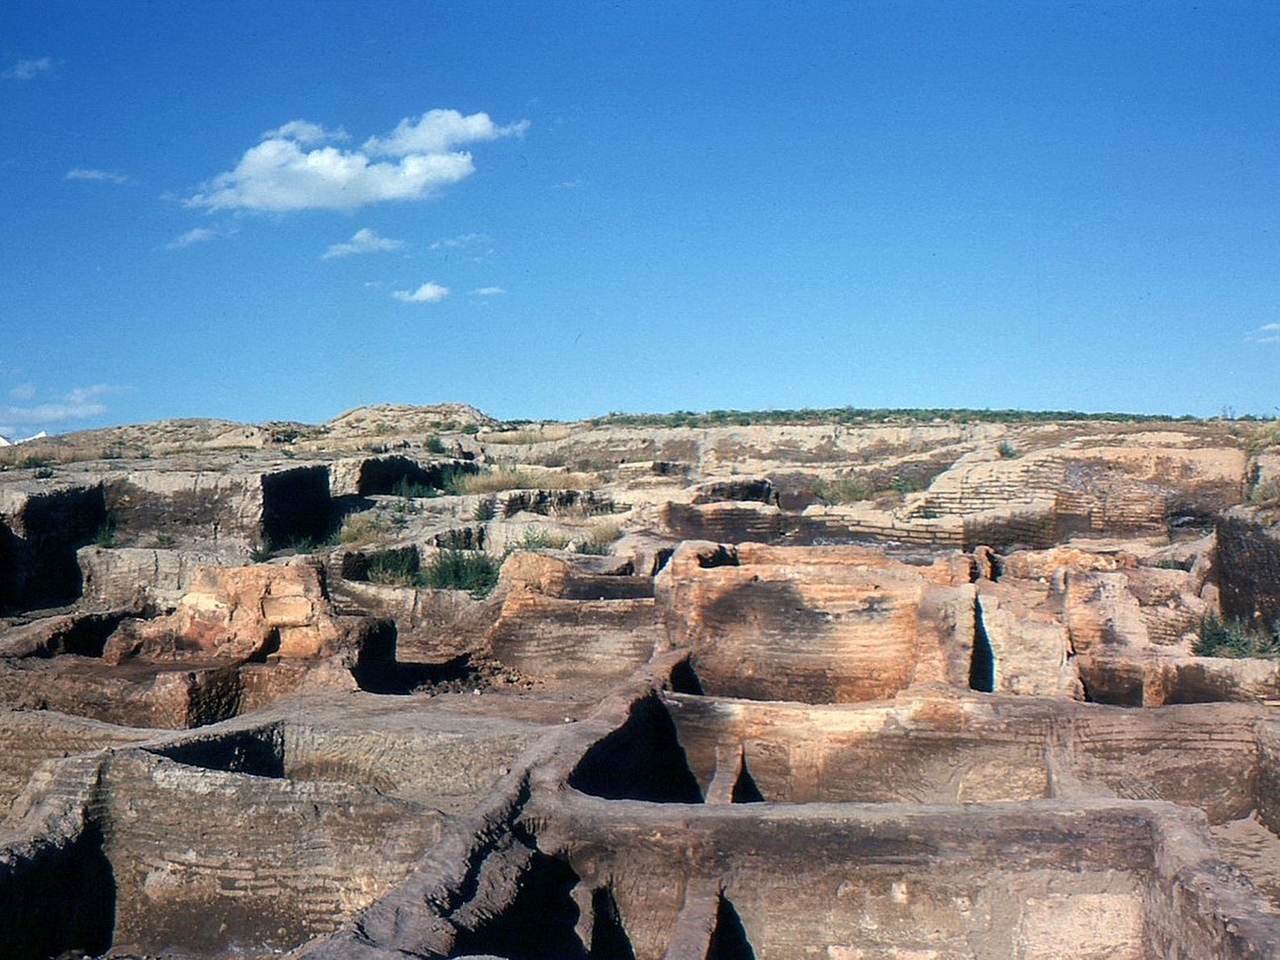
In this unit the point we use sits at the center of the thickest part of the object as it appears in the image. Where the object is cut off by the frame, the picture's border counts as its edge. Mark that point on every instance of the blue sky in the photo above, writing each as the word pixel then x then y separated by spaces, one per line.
pixel 555 210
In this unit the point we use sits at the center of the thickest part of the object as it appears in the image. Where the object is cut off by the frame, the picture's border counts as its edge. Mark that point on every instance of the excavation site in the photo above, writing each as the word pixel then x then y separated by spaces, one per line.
pixel 418 683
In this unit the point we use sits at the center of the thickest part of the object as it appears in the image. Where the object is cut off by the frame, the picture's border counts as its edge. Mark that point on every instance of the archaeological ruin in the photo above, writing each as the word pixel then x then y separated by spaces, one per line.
pixel 419 683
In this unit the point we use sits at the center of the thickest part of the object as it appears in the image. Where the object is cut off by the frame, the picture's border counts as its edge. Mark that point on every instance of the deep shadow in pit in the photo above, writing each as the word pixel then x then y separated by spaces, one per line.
pixel 296 506
pixel 982 660
pixel 392 475
pixel 38 567
pixel 745 789
pixel 377 670
pixel 609 940
pixel 641 760
pixel 538 924
pixel 258 753
pixel 729 939
pixel 60 902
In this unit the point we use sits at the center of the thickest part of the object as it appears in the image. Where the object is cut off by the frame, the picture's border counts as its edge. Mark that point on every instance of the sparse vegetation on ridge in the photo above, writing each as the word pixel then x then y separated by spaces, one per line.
pixel 860 416
pixel 1230 638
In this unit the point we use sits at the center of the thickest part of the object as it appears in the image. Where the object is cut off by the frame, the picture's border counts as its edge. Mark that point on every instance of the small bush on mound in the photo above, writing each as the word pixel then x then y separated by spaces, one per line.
pixel 434 445
pixel 1266 492
pixel 535 538
pixel 362 528
pixel 1231 638
pixel 600 539
pixel 412 490
pixel 485 510
pixel 396 568
pixel 466 570
pixel 844 490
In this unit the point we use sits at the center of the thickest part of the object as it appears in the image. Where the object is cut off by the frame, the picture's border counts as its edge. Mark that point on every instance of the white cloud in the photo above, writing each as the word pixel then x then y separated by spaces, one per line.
pixel 363 240
pixel 84 395
pixel 23 392
pixel 488 291
pixel 463 240
pixel 1267 333
pixel 198 235
pixel 438 131
pixel 47 413
pixel 81 403
pixel 305 132
pixel 287 171
pixel 427 293
pixel 28 69
pixel 82 173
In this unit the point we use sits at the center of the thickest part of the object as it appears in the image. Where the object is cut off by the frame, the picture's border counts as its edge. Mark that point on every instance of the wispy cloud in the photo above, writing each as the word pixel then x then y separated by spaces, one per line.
pixel 83 173
pixel 362 241
pixel 462 240
pixel 488 291
pixel 1267 333
pixel 23 392
pixel 569 184
pixel 80 403
pixel 427 293
pixel 28 69
pixel 296 167
pixel 198 235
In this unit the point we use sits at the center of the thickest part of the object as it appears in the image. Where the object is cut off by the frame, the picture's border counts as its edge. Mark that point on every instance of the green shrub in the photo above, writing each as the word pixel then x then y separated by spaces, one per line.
pixel 468 570
pixel 1006 450
pixel 397 568
pixel 485 510
pixel 903 485
pixel 1231 638
pixel 1266 492
pixel 844 490
pixel 411 489
pixel 536 538
pixel 434 445
pixel 106 535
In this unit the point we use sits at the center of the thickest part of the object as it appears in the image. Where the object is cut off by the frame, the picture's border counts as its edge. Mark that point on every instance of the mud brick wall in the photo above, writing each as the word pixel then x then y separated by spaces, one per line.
pixel 584 639
pixel 1248 568
pixel 1028 883
pixel 212 861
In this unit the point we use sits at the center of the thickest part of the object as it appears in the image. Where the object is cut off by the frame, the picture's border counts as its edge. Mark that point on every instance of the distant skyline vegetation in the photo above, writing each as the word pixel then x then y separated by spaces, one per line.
pixel 557 211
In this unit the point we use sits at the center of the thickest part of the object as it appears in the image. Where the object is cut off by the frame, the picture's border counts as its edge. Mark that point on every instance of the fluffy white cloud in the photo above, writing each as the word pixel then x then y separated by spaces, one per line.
pixel 28 69
pixel 288 171
pixel 362 241
pixel 427 293
pixel 488 291
pixel 198 235
pixel 1267 333
pixel 81 173
pixel 438 131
